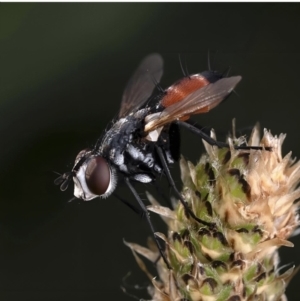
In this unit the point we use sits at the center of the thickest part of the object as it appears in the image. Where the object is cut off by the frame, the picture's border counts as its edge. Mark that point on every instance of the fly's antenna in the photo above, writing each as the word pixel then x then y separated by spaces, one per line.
pixel 64 180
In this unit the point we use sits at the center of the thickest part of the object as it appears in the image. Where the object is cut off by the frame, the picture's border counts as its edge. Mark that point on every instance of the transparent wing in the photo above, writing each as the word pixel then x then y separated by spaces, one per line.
pixel 142 83
pixel 200 101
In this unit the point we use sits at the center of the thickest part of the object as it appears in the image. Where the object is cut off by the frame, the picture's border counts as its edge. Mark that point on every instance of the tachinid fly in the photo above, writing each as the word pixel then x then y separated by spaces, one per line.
pixel 144 140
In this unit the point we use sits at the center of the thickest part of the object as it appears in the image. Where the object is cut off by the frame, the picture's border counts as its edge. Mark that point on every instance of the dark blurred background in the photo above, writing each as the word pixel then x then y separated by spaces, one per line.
pixel 63 68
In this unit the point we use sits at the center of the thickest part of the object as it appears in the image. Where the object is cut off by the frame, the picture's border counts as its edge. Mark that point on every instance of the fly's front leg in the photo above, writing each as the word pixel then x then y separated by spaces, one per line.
pixel 147 215
pixel 132 207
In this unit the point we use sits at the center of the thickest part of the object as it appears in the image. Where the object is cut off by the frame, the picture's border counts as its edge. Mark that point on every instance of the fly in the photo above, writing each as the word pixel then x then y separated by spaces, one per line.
pixel 144 139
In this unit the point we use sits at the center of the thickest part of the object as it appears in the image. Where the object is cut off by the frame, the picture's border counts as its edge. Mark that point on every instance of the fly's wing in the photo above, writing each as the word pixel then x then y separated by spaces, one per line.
pixel 200 101
pixel 142 83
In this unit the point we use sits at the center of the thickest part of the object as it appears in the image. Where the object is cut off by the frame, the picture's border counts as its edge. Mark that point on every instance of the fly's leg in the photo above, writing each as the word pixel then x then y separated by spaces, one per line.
pixel 212 141
pixel 132 207
pixel 202 134
pixel 178 194
pixel 146 214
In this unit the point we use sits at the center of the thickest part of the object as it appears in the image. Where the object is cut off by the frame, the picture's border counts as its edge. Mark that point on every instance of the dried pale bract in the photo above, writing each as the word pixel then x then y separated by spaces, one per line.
pixel 248 198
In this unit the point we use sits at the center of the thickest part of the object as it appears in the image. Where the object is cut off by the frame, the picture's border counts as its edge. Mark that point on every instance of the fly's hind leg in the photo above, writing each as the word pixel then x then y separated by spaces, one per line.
pixel 211 141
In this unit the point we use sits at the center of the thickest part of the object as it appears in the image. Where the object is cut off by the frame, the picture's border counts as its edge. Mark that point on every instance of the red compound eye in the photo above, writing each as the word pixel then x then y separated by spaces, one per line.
pixel 97 175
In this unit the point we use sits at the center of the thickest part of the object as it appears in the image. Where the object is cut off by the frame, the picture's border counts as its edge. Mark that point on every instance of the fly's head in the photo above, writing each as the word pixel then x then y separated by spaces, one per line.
pixel 92 174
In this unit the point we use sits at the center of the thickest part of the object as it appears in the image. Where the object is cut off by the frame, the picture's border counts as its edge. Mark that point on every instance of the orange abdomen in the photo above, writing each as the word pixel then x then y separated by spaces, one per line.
pixel 182 88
